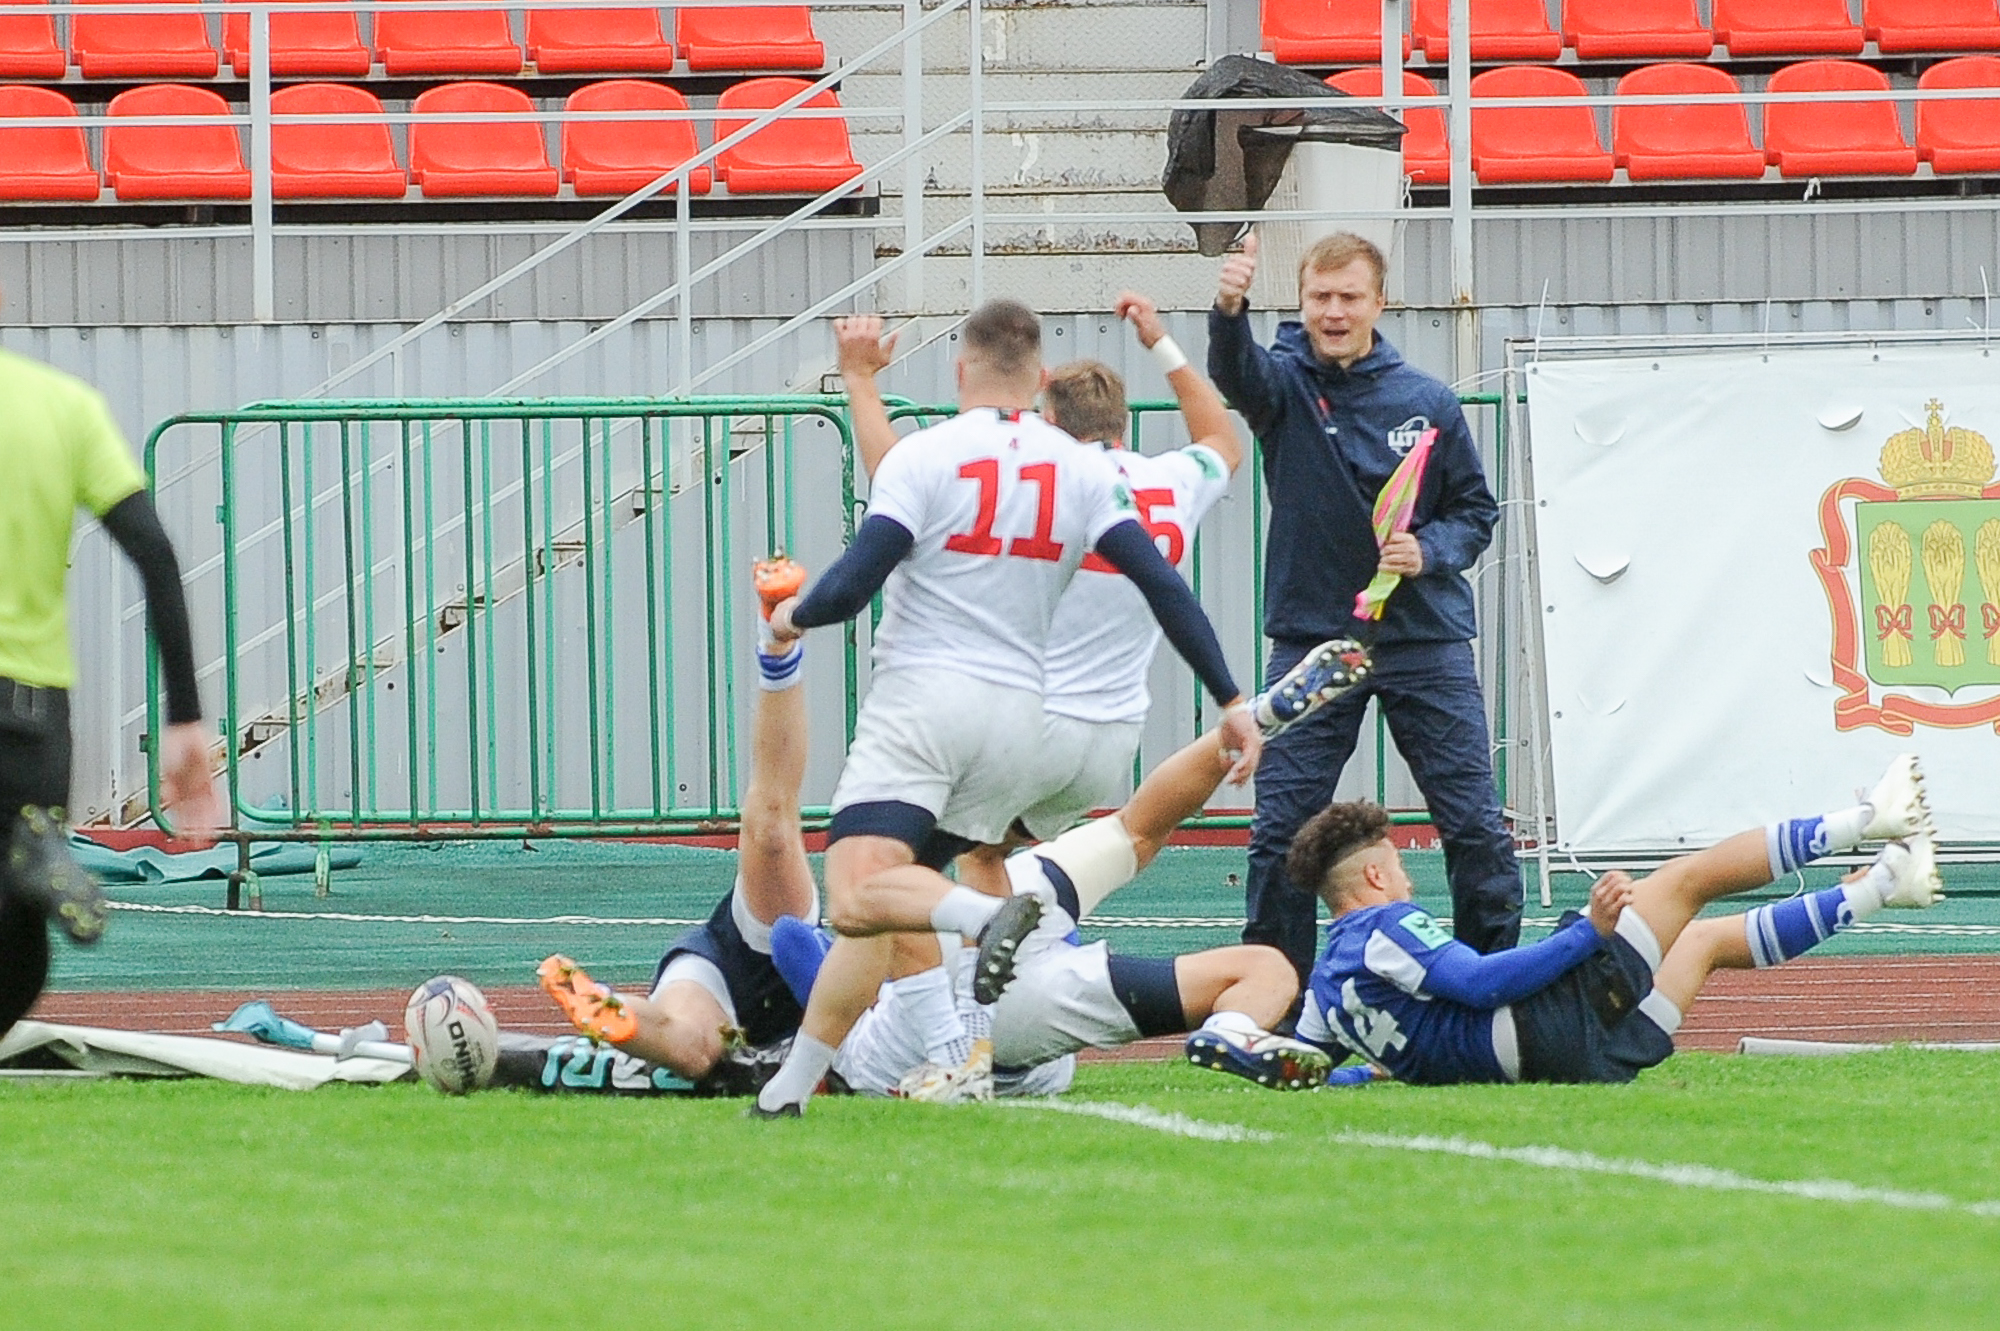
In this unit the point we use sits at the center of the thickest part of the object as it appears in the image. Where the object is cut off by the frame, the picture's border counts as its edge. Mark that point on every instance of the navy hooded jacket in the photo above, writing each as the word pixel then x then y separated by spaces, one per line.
pixel 1330 439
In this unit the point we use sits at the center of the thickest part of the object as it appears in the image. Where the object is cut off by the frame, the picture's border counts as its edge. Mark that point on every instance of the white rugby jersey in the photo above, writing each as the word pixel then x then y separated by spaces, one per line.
pixel 1003 507
pixel 1102 643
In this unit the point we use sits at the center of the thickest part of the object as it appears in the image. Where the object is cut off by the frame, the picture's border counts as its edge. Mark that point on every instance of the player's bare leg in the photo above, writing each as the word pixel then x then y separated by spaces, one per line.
pixel 1233 995
pixel 682 1025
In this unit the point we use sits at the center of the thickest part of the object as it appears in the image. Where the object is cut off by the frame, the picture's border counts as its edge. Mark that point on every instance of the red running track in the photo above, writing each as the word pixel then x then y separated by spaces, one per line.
pixel 1857 998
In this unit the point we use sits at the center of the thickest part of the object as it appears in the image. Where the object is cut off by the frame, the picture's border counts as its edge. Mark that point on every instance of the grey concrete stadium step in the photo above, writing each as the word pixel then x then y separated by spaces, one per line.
pixel 947 94
pixel 1057 283
pixel 1037 222
pixel 1038 34
pixel 1035 159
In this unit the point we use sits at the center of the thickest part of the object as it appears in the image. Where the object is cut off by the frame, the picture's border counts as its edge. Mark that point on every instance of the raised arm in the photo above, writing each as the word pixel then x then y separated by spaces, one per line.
pixel 864 353
pixel 1239 367
pixel 1132 552
pixel 1207 418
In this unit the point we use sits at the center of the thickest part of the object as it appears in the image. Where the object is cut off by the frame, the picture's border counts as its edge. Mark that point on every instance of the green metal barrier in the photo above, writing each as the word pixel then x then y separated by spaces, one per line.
pixel 431 614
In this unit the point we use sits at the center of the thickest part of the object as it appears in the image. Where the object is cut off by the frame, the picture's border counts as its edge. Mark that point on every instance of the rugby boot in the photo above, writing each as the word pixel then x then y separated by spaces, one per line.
pixel 777 578
pixel 42 872
pixel 1913 870
pixel 999 941
pixel 1898 805
pixel 1322 674
pixel 932 1084
pixel 1276 1061
pixel 591 1007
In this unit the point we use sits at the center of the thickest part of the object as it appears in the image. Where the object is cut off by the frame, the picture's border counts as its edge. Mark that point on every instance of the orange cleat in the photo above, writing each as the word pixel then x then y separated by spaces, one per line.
pixel 777 578
pixel 591 1007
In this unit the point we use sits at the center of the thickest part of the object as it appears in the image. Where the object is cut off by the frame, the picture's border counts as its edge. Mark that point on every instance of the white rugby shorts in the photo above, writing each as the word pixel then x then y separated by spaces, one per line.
pixel 1084 766
pixel 1060 1001
pixel 962 748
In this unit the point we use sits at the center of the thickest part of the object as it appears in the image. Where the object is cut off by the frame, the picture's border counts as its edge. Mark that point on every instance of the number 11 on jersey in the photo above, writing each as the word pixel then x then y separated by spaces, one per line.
pixel 985 473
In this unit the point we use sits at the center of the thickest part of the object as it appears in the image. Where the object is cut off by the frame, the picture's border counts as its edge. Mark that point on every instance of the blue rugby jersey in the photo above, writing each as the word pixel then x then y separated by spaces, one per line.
pixel 1395 988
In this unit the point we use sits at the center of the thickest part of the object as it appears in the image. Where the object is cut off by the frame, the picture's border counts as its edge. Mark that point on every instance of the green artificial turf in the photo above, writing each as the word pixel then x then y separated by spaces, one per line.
pixel 203 1205
pixel 484 911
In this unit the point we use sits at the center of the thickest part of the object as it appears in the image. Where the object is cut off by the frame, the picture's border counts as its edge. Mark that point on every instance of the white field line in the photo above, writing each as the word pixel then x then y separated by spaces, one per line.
pixel 1680 1176
pixel 1140 1116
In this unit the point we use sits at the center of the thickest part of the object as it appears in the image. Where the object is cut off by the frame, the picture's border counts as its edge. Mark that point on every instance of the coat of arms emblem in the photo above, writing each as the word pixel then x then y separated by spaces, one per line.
pixel 1926 548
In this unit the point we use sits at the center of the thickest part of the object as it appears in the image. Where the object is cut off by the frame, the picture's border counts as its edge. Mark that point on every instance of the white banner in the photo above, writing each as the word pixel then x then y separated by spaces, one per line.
pixel 1763 574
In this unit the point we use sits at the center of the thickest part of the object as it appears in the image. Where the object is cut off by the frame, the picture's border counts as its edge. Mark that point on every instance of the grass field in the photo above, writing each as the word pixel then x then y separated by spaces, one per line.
pixel 198 1204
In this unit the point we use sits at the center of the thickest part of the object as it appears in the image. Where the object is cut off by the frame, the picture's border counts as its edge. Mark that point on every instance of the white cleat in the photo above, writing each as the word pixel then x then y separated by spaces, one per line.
pixel 1913 870
pixel 1899 804
pixel 936 1085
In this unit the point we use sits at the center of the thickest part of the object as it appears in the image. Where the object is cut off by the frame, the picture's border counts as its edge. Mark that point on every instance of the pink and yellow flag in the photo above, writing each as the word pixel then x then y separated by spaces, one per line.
pixel 1394 508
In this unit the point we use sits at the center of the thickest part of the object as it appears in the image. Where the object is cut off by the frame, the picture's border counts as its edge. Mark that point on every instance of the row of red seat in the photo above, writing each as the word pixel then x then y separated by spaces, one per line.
pixel 1319 32
pixel 1532 145
pixel 321 44
pixel 505 156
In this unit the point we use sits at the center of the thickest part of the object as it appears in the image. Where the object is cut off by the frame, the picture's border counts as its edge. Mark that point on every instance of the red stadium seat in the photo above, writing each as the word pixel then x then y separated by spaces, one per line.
pixel 780 37
pixel 28 47
pixel 173 161
pixel 458 41
pixel 1688 142
pixel 1426 150
pixel 1501 30
pixel 796 155
pixel 1961 137
pixel 1787 27
pixel 619 156
pixel 1931 25
pixel 1324 32
pixel 143 46
pixel 44 165
pixel 1534 143
pixel 1629 29
pixel 454 160
pixel 598 41
pixel 1835 138
pixel 312 44
pixel 347 161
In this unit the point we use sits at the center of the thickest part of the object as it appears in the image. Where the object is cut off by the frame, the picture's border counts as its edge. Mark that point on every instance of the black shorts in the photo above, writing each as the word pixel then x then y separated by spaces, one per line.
pixel 765 1009
pixel 1587 1027
pixel 34 769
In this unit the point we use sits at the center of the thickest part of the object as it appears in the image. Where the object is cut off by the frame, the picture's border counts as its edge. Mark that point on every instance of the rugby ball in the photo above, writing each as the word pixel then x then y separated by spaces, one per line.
pixel 454 1040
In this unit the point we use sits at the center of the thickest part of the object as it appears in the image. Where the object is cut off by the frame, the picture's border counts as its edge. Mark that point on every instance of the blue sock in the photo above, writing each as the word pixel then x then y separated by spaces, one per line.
pixel 1797 842
pixel 782 671
pixel 797 949
pixel 1789 928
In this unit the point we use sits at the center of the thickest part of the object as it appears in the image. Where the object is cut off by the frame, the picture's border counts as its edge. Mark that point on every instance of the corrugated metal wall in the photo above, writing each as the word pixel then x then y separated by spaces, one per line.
pixel 151 373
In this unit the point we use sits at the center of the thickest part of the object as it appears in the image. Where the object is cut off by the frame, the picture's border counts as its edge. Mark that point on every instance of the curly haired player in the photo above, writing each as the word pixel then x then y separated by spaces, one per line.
pixel 1600 999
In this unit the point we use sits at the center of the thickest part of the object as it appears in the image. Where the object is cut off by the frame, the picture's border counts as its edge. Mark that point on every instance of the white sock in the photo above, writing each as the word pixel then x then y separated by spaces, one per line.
pixel 934 1009
pixel 1870 892
pixel 964 911
pixel 779 668
pixel 1233 1023
pixel 803 1069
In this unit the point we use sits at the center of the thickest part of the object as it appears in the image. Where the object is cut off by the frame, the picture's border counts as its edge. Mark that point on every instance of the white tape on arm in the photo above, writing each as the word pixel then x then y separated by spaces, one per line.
pixel 1168 354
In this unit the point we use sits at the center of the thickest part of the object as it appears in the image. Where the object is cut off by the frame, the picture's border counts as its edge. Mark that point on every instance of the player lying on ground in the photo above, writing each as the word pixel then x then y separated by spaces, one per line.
pixel 716 986
pixel 720 985
pixel 1600 999
pixel 1067 995
pixel 974 529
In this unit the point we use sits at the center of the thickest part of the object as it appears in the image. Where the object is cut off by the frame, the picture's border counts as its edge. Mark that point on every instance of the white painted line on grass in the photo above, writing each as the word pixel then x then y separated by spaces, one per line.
pixel 1680 1176
pixel 1141 1116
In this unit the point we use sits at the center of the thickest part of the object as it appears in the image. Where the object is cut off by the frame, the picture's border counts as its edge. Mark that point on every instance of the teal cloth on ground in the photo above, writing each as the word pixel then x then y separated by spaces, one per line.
pixel 149 864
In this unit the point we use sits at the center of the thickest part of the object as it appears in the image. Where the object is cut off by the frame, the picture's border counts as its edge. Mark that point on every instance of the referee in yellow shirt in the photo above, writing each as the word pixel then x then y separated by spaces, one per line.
pixel 60 451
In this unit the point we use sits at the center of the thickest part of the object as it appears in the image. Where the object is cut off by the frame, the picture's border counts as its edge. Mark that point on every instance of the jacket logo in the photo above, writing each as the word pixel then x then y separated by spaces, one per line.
pixel 1927 578
pixel 1405 436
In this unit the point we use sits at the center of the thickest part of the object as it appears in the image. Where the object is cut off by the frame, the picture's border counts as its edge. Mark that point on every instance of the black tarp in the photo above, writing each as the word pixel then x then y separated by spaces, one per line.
pixel 1229 161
